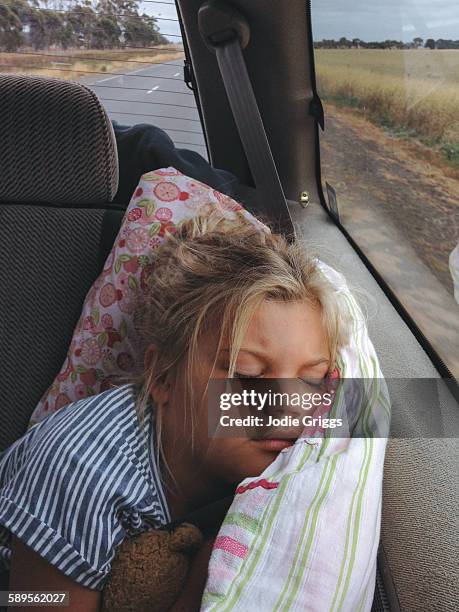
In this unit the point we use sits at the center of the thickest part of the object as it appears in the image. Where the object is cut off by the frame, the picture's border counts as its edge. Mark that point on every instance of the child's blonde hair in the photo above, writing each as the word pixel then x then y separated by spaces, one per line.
pixel 211 275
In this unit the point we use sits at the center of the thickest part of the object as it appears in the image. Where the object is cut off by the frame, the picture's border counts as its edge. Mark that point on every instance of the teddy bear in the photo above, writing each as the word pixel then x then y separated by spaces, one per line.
pixel 149 571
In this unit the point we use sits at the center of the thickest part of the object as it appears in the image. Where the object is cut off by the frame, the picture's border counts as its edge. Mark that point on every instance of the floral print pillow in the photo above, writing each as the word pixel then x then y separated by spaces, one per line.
pixel 103 347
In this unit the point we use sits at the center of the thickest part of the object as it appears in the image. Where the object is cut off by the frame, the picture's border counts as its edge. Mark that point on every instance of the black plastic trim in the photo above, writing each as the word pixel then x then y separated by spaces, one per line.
pixel 189 68
pixel 390 590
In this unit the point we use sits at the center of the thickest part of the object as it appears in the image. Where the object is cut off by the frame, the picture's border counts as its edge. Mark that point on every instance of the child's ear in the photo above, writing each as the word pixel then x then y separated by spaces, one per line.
pixel 159 388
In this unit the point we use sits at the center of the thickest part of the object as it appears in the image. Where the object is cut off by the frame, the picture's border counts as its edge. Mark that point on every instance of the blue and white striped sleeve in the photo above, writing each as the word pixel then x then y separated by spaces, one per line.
pixel 65 485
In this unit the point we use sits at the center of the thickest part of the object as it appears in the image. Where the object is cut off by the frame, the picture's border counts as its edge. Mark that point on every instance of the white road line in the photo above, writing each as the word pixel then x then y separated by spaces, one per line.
pixel 109 79
pixel 139 70
pixel 177 74
pixel 153 89
pixel 118 76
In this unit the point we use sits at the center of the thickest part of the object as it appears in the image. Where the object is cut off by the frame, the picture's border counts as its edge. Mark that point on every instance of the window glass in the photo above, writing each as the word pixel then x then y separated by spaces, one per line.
pixel 388 75
pixel 129 52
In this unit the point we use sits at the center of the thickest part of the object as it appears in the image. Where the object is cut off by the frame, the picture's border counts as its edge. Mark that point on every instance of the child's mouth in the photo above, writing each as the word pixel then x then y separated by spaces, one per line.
pixel 274 445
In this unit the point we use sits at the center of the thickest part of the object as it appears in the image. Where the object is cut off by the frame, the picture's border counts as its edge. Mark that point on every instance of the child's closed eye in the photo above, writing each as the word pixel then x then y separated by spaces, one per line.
pixel 241 375
pixel 314 382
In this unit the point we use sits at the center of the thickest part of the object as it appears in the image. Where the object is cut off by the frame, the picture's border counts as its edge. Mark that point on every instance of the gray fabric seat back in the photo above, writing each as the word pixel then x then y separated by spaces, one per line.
pixel 58 145
pixel 58 175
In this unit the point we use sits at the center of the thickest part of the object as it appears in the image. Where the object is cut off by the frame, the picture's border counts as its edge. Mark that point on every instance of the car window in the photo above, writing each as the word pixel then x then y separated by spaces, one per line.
pixel 130 53
pixel 388 76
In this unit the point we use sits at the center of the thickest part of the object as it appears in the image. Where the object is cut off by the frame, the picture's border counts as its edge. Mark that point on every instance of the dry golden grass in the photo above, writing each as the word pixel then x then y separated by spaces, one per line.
pixel 75 64
pixel 413 92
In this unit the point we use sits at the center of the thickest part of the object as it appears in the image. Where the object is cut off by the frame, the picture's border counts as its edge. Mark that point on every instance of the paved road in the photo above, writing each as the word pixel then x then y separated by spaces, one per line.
pixel 157 95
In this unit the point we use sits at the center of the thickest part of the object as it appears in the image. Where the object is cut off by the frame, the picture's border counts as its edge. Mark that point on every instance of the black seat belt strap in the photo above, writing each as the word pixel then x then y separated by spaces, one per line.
pixel 225 31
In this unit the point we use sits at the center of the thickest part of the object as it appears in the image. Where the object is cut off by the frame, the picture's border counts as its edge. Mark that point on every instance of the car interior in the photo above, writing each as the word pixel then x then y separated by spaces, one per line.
pixel 59 175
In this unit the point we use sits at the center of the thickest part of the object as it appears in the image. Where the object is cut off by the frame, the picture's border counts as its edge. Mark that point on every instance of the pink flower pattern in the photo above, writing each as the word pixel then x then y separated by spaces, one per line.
pixel 104 342
pixel 90 351
pixel 163 214
pixel 137 240
pixel 166 191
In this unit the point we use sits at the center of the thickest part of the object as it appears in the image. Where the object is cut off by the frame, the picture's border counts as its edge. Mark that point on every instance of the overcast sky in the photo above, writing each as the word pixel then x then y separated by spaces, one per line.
pixel 365 19
pixel 167 17
pixel 385 19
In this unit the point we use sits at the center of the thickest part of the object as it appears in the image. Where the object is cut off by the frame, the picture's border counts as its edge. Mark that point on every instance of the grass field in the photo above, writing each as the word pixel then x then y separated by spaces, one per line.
pixel 74 64
pixel 414 93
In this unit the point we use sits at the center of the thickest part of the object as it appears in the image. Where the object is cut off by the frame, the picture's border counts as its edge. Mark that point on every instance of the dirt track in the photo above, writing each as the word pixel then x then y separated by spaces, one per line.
pixel 404 213
pixel 374 172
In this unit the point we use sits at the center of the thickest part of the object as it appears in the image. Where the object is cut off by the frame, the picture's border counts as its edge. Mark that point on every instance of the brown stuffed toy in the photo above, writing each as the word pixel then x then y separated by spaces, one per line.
pixel 149 571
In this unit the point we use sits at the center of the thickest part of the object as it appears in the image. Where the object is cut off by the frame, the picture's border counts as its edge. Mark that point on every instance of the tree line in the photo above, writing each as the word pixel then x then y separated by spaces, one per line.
pixel 85 24
pixel 358 43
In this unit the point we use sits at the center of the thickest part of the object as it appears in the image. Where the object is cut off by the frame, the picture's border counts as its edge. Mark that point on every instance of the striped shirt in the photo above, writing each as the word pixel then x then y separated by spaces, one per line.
pixel 75 485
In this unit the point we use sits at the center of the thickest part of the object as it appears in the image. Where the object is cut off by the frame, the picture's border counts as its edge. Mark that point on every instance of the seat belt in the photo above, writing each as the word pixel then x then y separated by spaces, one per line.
pixel 226 32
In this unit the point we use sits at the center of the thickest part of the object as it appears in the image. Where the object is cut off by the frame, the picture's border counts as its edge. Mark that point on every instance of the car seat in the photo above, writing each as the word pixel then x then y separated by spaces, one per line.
pixel 58 176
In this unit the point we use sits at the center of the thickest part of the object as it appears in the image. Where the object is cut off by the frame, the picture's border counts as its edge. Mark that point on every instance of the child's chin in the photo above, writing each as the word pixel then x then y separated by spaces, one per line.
pixel 246 460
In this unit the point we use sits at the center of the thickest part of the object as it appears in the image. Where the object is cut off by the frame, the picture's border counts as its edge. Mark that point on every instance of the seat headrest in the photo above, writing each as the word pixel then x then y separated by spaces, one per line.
pixel 56 143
